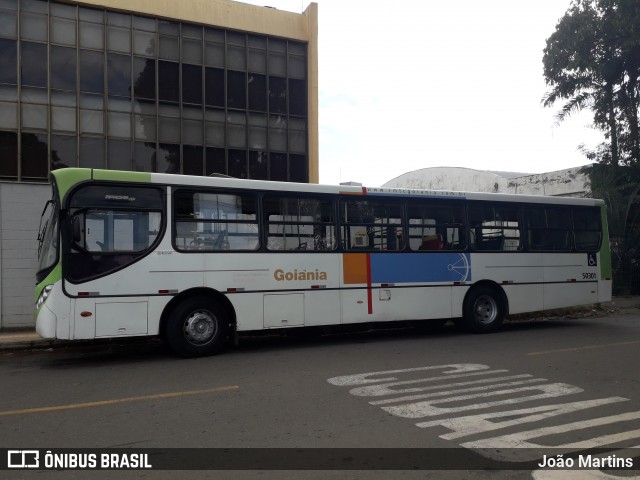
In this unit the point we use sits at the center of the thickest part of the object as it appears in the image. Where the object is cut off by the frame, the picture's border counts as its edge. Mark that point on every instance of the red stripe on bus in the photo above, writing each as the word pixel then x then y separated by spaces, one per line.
pixel 369 290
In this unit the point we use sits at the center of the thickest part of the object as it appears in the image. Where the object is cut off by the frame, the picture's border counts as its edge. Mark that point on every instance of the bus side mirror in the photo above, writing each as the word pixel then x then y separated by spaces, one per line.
pixel 76 233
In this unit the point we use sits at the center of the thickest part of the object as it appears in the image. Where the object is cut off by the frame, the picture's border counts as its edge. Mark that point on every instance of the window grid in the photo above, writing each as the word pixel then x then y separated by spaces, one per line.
pixel 67 38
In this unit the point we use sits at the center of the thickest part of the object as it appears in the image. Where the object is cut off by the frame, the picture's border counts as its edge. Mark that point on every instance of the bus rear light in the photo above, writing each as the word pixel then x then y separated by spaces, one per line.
pixel 85 314
pixel 235 289
pixel 166 292
pixel 88 294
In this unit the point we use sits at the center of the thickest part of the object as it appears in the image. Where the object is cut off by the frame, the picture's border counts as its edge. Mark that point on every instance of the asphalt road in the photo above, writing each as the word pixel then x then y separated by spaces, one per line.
pixel 536 383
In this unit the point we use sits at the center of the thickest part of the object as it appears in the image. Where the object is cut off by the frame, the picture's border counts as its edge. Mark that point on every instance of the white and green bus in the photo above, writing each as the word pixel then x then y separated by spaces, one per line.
pixel 197 260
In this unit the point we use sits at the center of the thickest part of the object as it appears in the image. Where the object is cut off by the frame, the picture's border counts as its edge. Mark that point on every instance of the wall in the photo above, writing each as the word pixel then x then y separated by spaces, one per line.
pixel 20 208
pixel 569 182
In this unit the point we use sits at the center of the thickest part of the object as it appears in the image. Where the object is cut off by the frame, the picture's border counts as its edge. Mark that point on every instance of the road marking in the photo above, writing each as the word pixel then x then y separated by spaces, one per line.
pixel 442 399
pixel 118 400
pixel 586 347
pixel 574 475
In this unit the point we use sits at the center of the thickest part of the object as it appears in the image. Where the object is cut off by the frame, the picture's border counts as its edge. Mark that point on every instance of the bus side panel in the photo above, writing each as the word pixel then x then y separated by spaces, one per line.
pixel 570 280
pixel 262 286
pixel 457 300
pixel 156 308
pixel 110 317
pixel 604 290
pixel 354 305
pixel 161 270
pixel 391 286
pixel 519 274
pixel 524 298
pixel 249 310
pixel 569 294
pixel 422 303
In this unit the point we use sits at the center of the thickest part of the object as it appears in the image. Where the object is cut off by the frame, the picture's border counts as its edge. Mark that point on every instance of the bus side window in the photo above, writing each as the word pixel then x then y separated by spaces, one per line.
pixel 548 228
pixel 371 225
pixel 436 225
pixel 302 223
pixel 587 228
pixel 494 227
pixel 215 221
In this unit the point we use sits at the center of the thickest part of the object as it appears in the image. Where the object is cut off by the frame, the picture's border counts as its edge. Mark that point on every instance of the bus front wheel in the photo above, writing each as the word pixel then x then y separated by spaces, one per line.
pixel 197 327
pixel 483 310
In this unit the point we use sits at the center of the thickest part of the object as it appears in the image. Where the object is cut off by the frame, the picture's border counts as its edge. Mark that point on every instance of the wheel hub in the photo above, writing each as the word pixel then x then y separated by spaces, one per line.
pixel 200 327
pixel 486 309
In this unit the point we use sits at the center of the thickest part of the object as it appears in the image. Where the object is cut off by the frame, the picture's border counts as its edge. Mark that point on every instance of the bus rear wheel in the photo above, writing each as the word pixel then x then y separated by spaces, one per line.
pixel 197 327
pixel 483 310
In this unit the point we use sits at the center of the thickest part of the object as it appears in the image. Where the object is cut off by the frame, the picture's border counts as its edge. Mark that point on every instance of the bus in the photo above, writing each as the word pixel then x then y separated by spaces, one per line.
pixel 200 260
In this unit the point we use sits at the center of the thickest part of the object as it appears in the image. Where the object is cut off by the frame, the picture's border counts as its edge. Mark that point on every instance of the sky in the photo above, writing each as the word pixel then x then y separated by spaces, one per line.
pixel 413 84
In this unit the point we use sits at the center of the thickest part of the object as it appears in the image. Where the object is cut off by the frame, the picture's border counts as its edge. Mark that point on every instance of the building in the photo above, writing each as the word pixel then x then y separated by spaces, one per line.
pixel 191 86
pixel 571 182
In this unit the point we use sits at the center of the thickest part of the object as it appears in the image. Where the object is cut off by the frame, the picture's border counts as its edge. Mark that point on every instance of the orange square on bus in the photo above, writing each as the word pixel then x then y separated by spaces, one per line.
pixel 354 268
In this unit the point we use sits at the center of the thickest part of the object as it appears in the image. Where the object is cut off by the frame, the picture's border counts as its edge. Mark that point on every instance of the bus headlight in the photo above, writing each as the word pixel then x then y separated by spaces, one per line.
pixel 43 296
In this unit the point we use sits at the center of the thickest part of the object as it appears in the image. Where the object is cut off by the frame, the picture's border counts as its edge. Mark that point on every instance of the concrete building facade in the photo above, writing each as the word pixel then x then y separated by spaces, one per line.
pixel 570 182
pixel 193 87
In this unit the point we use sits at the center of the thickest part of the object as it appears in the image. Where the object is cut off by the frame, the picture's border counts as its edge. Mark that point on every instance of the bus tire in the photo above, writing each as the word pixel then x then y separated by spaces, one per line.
pixel 197 327
pixel 483 310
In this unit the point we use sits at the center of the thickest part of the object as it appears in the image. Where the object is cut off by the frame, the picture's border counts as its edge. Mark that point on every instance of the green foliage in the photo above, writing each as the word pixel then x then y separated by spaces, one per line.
pixel 619 187
pixel 592 60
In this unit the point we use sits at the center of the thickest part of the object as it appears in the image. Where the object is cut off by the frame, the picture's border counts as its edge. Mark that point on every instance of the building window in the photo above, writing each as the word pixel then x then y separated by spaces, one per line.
pixel 8 155
pixel 100 88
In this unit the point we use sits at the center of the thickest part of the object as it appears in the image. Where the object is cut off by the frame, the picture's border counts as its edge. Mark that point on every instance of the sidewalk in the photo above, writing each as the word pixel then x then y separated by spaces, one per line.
pixel 25 339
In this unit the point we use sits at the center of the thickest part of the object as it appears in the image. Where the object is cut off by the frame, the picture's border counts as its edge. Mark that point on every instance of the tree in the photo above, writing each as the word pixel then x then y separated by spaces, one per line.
pixel 592 60
pixel 619 188
pixel 581 67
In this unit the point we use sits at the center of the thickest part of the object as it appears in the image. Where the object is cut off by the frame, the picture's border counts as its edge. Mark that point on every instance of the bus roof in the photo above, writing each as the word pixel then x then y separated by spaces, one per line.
pixel 67 178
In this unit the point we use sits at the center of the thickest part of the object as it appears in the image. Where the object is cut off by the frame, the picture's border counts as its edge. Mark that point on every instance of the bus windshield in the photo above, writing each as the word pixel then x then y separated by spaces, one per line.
pixel 48 237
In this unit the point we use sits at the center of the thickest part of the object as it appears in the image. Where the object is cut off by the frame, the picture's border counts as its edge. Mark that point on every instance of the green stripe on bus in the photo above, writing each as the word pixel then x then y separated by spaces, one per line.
pixel 605 250
pixel 119 176
pixel 67 178
pixel 53 277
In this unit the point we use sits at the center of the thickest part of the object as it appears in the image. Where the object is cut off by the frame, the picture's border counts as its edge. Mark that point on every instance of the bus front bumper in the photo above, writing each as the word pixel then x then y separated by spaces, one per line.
pixel 46 323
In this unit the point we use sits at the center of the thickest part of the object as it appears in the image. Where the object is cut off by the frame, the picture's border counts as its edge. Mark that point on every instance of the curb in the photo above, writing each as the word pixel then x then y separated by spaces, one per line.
pixel 36 343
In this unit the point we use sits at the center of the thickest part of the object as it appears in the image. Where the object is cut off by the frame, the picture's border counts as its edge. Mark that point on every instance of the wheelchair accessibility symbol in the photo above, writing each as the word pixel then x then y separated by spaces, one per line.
pixel 592 260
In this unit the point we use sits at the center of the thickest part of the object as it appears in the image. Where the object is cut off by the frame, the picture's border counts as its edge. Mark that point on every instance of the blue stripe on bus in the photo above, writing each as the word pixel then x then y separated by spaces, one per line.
pixel 420 267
